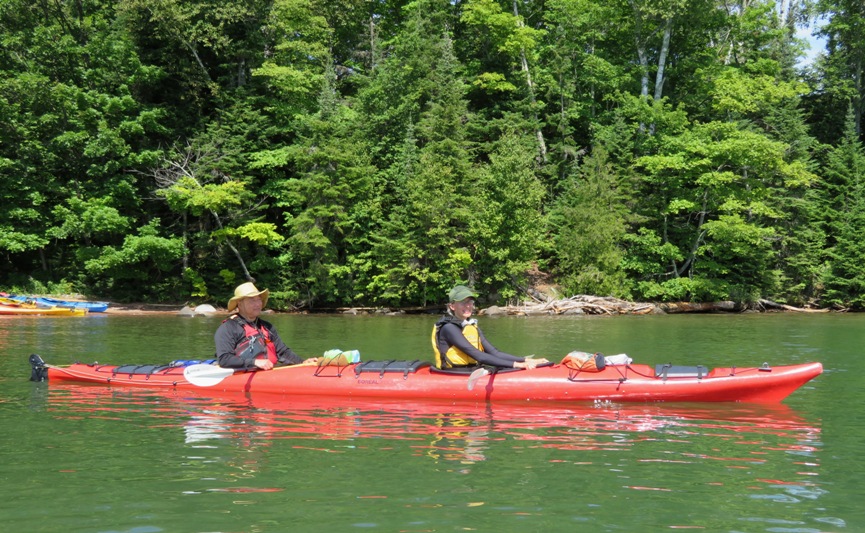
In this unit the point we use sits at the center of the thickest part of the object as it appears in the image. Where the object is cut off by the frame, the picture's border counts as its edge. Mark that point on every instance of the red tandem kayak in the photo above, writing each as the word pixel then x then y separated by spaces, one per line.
pixel 417 380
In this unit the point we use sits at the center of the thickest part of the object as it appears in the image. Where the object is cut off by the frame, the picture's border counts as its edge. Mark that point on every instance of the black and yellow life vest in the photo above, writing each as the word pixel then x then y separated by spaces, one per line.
pixel 454 356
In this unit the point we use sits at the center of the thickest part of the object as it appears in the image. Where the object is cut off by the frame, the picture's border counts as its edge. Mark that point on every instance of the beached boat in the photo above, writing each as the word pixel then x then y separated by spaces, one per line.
pixel 13 307
pixel 90 306
pixel 417 380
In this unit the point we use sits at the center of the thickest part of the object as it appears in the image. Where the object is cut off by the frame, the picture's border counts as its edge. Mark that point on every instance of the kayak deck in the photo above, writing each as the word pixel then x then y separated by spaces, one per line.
pixel 418 380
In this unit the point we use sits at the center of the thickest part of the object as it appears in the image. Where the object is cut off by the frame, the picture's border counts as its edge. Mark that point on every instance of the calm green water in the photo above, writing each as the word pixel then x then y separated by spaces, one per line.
pixel 96 459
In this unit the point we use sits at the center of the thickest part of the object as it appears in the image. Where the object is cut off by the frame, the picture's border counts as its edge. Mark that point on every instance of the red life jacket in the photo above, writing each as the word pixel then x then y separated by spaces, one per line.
pixel 256 343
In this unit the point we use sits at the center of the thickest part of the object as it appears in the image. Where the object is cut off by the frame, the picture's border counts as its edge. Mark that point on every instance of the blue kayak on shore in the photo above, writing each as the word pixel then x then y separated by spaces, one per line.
pixel 92 307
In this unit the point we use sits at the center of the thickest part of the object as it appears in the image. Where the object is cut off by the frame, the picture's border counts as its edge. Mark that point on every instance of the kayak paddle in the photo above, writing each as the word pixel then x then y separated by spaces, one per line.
pixel 476 375
pixel 204 375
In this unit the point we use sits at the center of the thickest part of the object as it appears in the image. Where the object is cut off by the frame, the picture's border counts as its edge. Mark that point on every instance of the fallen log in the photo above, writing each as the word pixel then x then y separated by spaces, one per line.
pixel 775 305
pixel 699 307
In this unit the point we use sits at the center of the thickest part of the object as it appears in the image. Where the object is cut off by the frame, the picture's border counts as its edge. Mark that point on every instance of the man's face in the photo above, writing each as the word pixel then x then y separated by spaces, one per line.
pixel 250 307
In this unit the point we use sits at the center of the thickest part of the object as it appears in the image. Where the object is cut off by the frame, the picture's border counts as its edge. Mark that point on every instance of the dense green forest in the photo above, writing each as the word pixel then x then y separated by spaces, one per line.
pixel 375 152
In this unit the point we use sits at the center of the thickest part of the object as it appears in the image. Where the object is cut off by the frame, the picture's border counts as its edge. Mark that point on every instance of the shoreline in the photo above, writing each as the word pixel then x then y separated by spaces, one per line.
pixel 578 305
pixel 581 305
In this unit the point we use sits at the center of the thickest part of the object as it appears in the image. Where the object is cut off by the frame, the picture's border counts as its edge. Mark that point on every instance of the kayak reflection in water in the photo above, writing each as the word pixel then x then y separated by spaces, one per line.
pixel 458 341
pixel 245 341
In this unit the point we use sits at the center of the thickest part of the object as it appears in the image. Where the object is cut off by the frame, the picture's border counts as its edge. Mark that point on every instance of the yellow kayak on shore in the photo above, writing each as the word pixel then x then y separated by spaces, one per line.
pixel 14 307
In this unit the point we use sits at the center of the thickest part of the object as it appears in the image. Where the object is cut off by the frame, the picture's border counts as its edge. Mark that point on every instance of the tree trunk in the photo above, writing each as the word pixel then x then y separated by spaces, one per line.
pixel 542 145
pixel 642 55
pixel 662 58
pixel 240 260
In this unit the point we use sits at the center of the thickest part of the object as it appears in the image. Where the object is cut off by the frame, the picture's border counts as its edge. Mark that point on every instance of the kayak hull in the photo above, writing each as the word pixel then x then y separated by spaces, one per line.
pixel 555 383
pixel 35 310
pixel 92 307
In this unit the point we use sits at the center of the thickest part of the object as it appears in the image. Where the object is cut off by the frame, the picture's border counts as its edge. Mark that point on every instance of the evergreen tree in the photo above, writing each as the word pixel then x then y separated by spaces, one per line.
pixel 322 184
pixel 842 83
pixel 589 225
pixel 424 247
pixel 505 223
pixel 845 282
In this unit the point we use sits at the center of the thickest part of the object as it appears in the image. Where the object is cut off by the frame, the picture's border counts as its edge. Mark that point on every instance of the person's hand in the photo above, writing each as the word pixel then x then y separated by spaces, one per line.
pixel 531 363
pixel 311 361
pixel 264 364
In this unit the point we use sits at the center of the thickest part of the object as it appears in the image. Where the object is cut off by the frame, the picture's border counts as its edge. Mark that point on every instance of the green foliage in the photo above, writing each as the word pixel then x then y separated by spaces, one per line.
pixel 347 152
pixel 198 283
pixel 716 189
pixel 141 263
pixel 16 241
pixel 301 39
pixel 841 72
pixel 505 224
pixel 72 127
pixel 589 226
pixel 845 281
pixel 88 219
pixel 261 233
pixel 323 186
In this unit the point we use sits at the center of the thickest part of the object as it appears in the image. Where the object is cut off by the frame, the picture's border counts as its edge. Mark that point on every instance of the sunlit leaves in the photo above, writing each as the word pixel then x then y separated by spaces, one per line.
pixel 294 67
pixel 721 183
pixel 262 233
pixel 187 194
pixel 744 92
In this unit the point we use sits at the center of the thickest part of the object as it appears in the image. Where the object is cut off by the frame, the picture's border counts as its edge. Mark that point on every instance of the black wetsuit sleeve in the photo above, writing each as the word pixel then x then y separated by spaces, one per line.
pixel 453 336
pixel 492 350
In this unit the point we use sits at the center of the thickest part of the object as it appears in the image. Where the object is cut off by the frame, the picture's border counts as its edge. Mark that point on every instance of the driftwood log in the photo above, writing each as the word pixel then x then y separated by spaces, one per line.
pixel 596 305
pixel 769 304
pixel 575 305
pixel 582 304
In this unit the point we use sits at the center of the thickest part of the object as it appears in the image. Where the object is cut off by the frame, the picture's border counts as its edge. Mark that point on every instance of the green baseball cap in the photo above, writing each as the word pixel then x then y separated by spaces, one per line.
pixel 460 293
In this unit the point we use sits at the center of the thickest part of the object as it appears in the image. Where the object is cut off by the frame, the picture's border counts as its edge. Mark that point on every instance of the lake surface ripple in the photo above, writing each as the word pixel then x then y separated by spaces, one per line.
pixel 101 459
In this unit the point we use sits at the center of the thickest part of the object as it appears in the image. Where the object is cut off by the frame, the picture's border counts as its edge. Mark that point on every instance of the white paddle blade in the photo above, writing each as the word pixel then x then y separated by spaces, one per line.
pixel 475 376
pixel 206 375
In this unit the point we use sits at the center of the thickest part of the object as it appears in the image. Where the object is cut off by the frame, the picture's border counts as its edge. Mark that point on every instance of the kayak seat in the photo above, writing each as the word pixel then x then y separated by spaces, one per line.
pixel 671 371
pixel 390 366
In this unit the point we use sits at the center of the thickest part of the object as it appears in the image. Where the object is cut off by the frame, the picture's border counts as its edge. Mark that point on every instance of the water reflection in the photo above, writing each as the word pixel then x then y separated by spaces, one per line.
pixel 236 450
pixel 458 432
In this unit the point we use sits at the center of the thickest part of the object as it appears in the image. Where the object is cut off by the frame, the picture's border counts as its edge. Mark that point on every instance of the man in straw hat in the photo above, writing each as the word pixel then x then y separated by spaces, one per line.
pixel 458 342
pixel 243 340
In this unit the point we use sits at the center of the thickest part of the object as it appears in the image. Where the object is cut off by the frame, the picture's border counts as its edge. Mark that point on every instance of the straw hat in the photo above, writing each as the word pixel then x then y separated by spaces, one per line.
pixel 248 290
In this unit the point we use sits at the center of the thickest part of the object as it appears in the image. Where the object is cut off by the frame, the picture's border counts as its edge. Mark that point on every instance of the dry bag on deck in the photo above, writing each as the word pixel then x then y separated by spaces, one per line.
pixel 338 357
pixel 585 362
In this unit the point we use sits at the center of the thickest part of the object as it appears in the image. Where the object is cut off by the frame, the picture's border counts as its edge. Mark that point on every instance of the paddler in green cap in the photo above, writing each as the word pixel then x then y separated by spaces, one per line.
pixel 458 342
